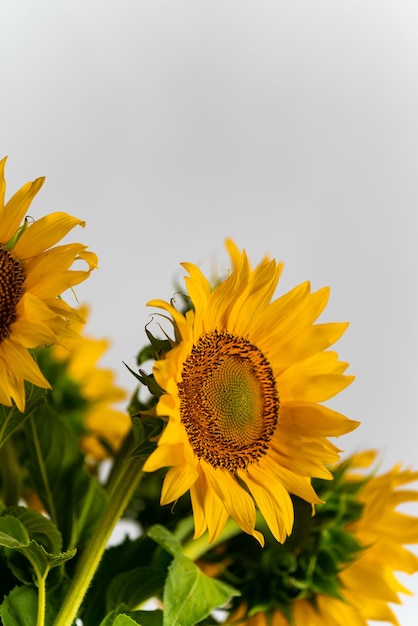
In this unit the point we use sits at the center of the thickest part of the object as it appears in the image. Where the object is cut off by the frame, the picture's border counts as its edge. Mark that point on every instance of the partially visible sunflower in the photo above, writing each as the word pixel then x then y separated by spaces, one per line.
pixel 34 272
pixel 86 394
pixel 242 387
pixel 363 583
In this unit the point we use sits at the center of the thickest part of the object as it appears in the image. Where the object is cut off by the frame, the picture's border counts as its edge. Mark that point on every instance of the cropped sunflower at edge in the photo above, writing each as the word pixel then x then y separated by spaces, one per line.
pixel 34 272
pixel 340 567
pixel 242 387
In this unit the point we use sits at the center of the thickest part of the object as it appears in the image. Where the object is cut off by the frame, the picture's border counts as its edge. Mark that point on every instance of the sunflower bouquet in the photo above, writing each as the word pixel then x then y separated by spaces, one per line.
pixel 242 510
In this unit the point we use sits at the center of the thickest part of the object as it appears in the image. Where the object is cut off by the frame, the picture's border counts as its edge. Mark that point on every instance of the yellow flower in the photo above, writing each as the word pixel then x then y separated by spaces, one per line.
pixel 86 393
pixel 368 584
pixel 242 385
pixel 33 275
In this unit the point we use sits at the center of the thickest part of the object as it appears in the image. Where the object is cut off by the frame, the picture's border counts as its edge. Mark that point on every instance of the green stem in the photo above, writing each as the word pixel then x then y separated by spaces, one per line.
pixel 130 475
pixel 198 547
pixel 40 619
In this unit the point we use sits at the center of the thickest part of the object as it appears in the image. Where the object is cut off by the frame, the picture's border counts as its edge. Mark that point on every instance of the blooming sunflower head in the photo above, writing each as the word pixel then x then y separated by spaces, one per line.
pixel 242 388
pixel 339 566
pixel 34 272
pixel 85 393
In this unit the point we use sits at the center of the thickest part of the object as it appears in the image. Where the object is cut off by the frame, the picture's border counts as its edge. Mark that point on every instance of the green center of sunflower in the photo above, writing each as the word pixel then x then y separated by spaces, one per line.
pixel 229 403
pixel 12 278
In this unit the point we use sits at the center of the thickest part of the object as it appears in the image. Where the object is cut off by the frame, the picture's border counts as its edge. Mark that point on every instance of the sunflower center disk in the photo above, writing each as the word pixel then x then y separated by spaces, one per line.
pixel 228 400
pixel 11 289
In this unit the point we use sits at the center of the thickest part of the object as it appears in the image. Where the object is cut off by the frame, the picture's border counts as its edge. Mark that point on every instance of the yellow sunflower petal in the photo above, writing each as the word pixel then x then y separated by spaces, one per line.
pixel 298 385
pixel 56 262
pixel 215 514
pixel 254 298
pixel 315 420
pixel 162 455
pixel 198 492
pixel 339 613
pixel 304 613
pixel 308 343
pixel 379 583
pixel 236 501
pixel 16 209
pixel 20 360
pixel 62 309
pixel 272 499
pixel 33 336
pixel 45 233
pixel 177 481
pixel 297 485
pixel 16 390
pixel 370 608
pixel 6 390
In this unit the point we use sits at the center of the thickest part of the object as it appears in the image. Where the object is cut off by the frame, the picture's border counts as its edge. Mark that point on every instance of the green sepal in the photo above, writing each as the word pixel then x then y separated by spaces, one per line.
pixel 159 347
pixel 146 430
pixel 15 238
pixel 148 381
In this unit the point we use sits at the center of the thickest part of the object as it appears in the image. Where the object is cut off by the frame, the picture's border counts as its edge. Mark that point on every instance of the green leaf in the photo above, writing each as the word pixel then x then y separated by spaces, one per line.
pixel 13 533
pixel 124 620
pixel 39 558
pixel 144 618
pixel 118 619
pixel 11 418
pixel 72 497
pixel 189 594
pixel 135 586
pixel 20 607
pixel 38 527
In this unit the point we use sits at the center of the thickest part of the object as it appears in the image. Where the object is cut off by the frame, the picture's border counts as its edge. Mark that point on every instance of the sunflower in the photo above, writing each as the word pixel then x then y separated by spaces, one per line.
pixel 242 386
pixel 85 393
pixel 367 583
pixel 33 275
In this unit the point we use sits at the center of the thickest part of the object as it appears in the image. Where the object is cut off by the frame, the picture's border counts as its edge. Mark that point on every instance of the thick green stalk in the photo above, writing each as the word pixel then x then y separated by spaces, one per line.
pixel 130 475
pixel 196 548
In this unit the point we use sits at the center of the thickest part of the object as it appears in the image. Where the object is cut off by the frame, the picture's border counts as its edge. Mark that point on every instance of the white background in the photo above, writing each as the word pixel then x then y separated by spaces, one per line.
pixel 290 126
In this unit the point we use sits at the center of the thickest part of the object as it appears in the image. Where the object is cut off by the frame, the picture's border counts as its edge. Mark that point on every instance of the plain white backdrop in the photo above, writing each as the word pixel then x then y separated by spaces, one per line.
pixel 289 125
